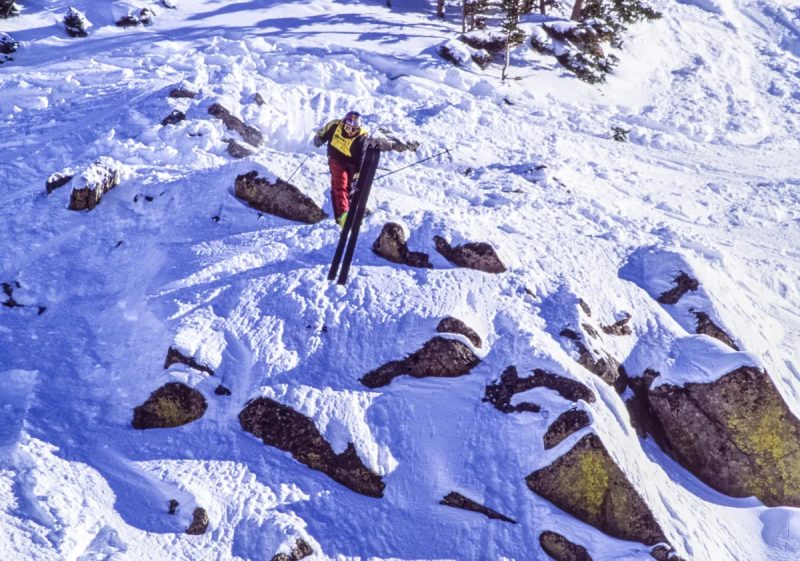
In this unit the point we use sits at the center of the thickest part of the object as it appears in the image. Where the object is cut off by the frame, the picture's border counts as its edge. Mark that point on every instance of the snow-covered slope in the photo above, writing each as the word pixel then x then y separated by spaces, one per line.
pixel 707 184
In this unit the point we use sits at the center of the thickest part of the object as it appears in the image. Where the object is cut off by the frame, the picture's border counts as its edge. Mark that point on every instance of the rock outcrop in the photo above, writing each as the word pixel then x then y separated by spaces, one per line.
pixel 453 325
pixel 474 255
pixel 706 326
pixel 249 134
pixel 736 434
pixel 501 392
pixel 99 178
pixel 301 550
pixel 561 549
pixel 141 16
pixel 236 150
pixel 57 180
pixel 174 356
pixel 683 284
pixel 182 93
pixel 457 500
pixel 607 368
pixel 439 357
pixel 280 198
pixel 586 483
pixel 619 327
pixel 391 245
pixel 172 405
pixel 569 422
pixel 199 523
pixel 286 429
pixel 173 118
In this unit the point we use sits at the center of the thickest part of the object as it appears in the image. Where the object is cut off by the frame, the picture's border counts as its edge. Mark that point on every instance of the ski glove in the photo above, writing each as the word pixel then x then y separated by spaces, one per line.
pixel 318 141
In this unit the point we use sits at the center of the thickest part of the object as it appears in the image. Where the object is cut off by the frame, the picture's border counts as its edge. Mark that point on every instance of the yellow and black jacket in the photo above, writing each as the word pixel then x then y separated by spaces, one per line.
pixel 347 152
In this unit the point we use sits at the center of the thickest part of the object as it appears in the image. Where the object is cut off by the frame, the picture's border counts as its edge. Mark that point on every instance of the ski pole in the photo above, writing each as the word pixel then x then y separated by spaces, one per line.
pixel 298 167
pixel 447 151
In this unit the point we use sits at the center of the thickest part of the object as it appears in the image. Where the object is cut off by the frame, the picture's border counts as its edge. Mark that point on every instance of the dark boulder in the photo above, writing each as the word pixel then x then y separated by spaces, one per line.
pixel 181 93
pixel 99 178
pixel 453 325
pixel 58 179
pixel 172 405
pixel 475 255
pixel 284 428
pixel 143 16
pixel 457 500
pixel 439 357
pixel 561 549
pixel 174 356
pixel 199 523
pixel 173 118
pixel 569 422
pixel 391 245
pixel 249 134
pixel 736 434
pixel 222 391
pixel 501 392
pixel 301 550
pixel 683 284
pixel 706 326
pixel 586 483
pixel 280 198
pixel 236 150
pixel 619 327
pixel 607 368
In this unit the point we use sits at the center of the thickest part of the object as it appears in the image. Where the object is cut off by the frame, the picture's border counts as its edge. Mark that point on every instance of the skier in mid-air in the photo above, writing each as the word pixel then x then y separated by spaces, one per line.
pixel 346 139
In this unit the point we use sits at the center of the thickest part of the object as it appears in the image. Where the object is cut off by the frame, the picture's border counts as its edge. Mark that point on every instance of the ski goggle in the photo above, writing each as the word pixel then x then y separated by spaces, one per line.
pixel 351 129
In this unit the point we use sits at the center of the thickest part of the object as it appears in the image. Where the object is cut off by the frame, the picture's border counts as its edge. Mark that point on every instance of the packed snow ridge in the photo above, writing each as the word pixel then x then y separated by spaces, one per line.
pixel 570 328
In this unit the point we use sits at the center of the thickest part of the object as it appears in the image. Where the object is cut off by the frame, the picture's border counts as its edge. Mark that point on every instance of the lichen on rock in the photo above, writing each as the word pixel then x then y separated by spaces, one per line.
pixel 172 405
pixel 586 483
pixel 736 434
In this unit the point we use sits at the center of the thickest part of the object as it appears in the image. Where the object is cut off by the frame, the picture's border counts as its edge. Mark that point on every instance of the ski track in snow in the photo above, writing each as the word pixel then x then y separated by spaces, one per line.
pixel 708 181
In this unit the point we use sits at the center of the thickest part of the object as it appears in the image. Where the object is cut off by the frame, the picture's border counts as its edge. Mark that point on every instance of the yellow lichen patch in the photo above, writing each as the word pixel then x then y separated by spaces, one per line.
pixel 171 412
pixel 585 482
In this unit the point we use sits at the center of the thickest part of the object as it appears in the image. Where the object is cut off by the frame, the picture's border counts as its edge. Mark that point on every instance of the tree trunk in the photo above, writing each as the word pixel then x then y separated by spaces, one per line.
pixel 440 9
pixel 508 56
pixel 464 4
pixel 577 10
pixel 541 6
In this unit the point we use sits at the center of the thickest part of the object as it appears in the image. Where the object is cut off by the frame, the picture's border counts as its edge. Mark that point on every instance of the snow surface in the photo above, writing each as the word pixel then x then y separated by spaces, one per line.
pixel 709 181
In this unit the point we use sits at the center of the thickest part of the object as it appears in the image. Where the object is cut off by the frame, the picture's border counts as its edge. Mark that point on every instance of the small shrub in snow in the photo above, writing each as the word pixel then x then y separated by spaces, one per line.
pixel 579 48
pixel 7 46
pixel 492 42
pixel 8 8
pixel 460 54
pixel 619 134
pixel 76 23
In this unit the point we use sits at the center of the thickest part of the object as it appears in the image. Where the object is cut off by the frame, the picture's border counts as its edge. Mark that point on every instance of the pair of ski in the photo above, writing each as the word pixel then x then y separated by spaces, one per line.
pixel 352 224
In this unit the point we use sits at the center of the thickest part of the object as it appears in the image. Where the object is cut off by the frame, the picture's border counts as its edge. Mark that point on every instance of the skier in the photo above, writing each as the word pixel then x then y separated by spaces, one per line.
pixel 346 139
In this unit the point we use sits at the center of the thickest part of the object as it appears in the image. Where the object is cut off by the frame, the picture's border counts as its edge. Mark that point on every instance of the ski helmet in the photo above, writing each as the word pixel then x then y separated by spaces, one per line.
pixel 352 122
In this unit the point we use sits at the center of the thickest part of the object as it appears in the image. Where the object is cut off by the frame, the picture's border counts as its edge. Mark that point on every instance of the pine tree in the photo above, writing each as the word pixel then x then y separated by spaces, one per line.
pixel 510 26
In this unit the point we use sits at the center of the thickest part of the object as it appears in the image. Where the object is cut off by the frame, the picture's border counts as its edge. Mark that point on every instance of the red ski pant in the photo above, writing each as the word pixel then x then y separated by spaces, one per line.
pixel 341 180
